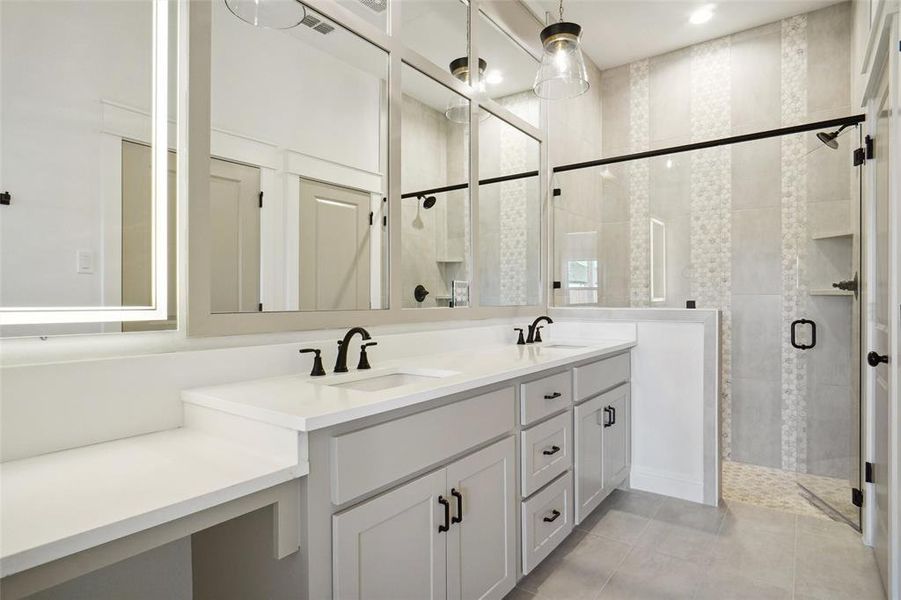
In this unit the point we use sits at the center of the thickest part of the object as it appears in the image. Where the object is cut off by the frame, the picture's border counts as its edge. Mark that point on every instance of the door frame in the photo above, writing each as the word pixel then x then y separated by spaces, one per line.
pixel 885 59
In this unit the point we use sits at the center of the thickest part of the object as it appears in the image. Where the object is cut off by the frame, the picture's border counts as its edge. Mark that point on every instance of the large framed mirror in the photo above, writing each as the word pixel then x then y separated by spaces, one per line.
pixel 86 124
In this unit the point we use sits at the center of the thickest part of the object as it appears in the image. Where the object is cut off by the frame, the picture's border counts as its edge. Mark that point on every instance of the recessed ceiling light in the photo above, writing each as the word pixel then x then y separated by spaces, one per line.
pixel 494 77
pixel 702 15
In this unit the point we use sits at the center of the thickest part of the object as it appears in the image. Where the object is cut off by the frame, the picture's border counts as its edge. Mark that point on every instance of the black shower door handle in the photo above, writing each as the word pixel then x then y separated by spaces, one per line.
pixel 813 334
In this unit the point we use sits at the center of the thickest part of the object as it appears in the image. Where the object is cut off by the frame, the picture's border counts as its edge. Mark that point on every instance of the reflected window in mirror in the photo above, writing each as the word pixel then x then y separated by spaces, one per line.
pixel 509 72
pixel 298 170
pixel 76 128
pixel 435 229
pixel 509 216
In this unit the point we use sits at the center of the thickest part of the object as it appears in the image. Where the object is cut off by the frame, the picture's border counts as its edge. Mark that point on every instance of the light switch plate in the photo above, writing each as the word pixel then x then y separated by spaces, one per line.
pixel 84 262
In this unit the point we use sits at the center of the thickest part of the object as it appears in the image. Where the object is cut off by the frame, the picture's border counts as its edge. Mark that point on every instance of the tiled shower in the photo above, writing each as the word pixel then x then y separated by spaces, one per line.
pixel 760 230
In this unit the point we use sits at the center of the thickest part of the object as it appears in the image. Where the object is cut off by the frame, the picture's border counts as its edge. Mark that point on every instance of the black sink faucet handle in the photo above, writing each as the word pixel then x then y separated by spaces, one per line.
pixel 521 341
pixel 318 370
pixel 364 359
pixel 538 333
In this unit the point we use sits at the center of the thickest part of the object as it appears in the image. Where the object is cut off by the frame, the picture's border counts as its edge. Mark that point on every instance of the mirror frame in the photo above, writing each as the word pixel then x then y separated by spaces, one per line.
pixel 158 310
pixel 195 132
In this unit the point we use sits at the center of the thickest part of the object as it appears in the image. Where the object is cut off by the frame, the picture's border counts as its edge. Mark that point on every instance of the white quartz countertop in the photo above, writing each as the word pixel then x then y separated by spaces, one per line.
pixel 307 403
pixel 61 503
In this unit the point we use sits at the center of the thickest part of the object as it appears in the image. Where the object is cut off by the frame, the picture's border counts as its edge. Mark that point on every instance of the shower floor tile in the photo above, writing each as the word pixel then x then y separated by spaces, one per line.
pixel 778 489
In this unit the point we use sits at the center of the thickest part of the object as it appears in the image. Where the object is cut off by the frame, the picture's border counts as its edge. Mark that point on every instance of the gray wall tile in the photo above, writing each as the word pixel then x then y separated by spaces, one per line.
pixel 756 174
pixel 757 251
pixel 669 96
pixel 757 421
pixel 756 336
pixel 756 78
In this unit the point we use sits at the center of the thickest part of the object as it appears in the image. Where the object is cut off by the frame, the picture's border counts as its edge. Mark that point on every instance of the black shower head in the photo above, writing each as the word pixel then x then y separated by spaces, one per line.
pixel 428 201
pixel 829 137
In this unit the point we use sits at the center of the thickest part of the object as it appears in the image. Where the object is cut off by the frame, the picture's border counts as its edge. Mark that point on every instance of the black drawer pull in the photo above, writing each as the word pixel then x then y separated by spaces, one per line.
pixel 552 396
pixel 555 513
pixel 459 497
pixel 443 501
pixel 608 421
pixel 551 450
pixel 613 415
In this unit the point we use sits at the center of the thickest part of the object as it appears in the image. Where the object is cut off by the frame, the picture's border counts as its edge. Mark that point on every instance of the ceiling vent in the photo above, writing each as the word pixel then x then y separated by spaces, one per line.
pixel 375 5
pixel 317 24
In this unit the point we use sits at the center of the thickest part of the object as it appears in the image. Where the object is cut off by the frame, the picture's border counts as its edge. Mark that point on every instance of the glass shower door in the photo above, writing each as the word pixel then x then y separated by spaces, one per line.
pixel 827 375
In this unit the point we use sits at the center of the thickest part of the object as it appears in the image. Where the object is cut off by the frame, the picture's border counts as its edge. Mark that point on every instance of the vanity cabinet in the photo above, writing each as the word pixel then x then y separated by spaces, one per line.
pixel 601 448
pixel 449 534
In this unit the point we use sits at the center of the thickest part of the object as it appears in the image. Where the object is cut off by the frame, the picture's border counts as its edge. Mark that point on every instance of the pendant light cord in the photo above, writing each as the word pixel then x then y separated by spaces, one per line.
pixel 561 11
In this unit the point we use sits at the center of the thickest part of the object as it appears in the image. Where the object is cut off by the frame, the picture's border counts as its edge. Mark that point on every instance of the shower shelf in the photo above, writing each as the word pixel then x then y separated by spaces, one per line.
pixel 831 235
pixel 830 292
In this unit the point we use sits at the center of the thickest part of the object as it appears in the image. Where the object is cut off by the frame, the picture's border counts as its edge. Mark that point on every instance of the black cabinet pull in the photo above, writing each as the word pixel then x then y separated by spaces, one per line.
pixel 874 359
pixel 552 396
pixel 813 334
pixel 551 450
pixel 613 415
pixel 607 421
pixel 443 501
pixel 555 513
pixel 459 497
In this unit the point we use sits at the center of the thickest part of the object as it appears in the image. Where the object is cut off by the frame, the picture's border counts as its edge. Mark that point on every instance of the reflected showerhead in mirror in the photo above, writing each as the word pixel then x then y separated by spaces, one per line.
pixel 272 14
pixel 830 137
pixel 427 201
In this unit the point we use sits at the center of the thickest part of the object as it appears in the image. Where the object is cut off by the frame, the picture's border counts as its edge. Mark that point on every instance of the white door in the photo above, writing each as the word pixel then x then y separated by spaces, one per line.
pixel 390 547
pixel 616 436
pixel 137 235
pixel 878 324
pixel 235 237
pixel 334 247
pixel 481 543
pixel 589 455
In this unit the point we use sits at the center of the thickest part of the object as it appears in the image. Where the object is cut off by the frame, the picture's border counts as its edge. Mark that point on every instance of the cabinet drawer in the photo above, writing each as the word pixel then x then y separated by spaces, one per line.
pixel 546 452
pixel 545 396
pixel 365 460
pixel 546 521
pixel 600 376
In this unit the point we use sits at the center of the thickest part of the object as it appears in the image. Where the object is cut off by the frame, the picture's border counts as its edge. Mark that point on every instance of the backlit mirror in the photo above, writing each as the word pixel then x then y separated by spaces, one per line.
pixel 84 98
pixel 298 167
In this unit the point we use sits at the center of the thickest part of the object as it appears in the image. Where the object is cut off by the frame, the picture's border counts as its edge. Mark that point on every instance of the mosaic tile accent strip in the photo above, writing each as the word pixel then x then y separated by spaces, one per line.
pixel 711 204
pixel 513 204
pixel 794 242
pixel 639 187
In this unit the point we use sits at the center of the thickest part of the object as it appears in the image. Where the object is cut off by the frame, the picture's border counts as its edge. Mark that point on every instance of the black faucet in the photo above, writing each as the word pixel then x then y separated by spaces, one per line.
pixel 341 363
pixel 533 328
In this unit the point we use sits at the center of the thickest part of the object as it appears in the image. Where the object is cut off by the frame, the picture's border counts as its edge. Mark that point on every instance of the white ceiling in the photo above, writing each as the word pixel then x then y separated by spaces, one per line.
pixel 617 32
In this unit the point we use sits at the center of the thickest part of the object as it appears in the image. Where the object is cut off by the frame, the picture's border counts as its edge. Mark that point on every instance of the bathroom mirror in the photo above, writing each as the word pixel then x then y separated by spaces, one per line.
pixel 509 72
pixel 298 180
pixel 435 220
pixel 86 214
pixel 509 215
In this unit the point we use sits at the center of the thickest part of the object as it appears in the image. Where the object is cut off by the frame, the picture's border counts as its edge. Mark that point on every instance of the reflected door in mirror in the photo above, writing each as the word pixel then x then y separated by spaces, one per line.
pixel 334 247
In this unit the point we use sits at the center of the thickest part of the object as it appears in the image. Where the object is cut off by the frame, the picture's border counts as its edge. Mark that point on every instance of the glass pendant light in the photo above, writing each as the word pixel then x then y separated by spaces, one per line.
pixel 272 14
pixel 458 106
pixel 562 73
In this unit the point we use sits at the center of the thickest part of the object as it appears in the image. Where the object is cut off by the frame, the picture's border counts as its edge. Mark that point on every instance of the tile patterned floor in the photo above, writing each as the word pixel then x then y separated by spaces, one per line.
pixel 643 546
pixel 777 489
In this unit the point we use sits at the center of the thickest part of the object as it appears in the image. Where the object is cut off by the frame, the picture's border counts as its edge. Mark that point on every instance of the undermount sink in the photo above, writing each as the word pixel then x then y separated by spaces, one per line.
pixel 385 379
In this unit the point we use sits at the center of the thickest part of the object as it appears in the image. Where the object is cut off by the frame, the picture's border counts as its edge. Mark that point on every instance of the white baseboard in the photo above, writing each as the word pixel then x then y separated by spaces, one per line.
pixel 666 485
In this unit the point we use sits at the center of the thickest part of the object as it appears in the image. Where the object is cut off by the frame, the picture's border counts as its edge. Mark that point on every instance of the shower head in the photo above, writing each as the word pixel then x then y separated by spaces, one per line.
pixel 829 137
pixel 428 201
